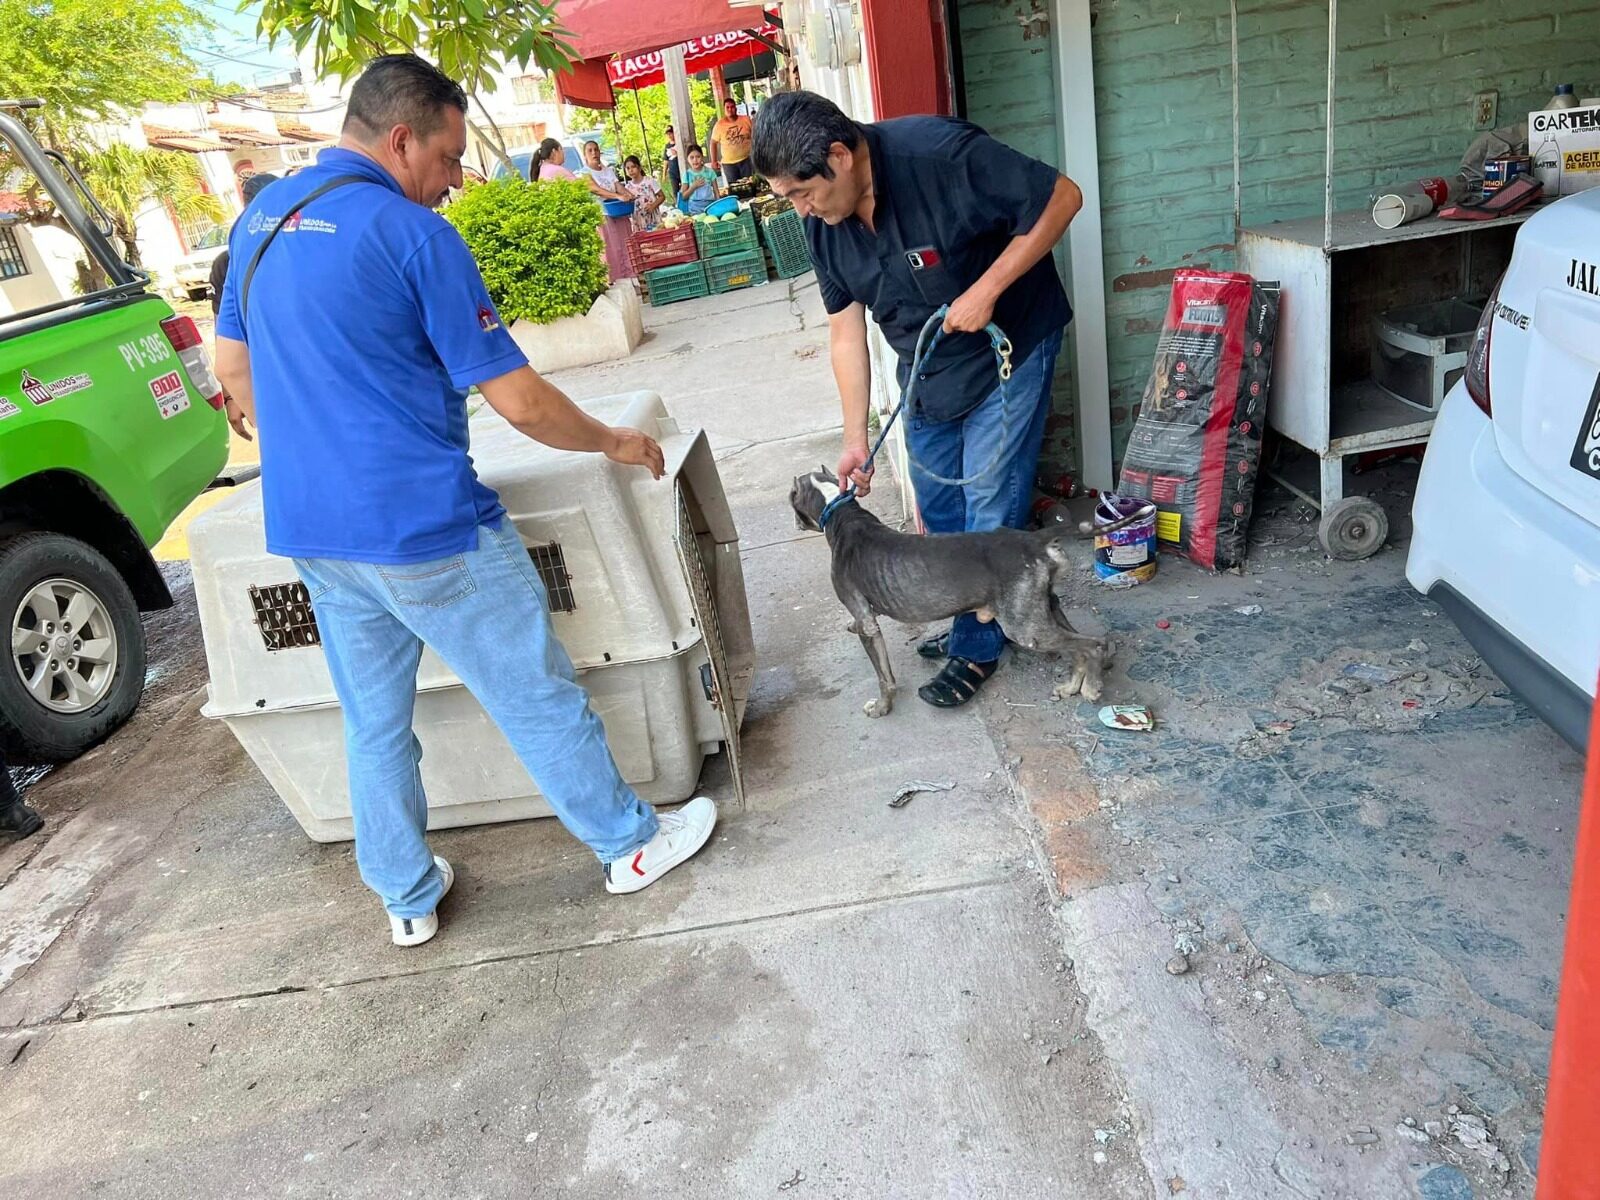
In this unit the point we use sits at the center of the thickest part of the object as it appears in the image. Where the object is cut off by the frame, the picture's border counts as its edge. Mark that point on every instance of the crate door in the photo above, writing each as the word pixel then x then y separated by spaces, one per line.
pixel 720 691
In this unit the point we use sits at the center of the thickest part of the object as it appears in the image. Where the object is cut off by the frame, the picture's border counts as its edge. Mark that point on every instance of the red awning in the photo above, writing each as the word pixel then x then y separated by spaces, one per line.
pixel 602 28
pixel 585 84
pixel 699 54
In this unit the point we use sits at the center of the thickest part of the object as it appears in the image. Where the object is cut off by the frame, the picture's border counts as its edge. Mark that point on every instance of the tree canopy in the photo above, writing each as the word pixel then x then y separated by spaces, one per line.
pixel 86 58
pixel 468 39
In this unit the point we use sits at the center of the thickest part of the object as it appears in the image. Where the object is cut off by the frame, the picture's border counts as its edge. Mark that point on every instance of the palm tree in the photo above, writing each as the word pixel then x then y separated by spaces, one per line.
pixel 126 178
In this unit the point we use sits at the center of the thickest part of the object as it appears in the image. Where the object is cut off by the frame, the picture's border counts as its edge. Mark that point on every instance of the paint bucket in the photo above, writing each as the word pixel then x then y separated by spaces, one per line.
pixel 1125 557
pixel 1497 172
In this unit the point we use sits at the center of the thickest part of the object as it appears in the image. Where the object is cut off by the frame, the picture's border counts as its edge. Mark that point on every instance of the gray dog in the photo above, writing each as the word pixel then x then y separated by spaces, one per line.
pixel 1007 575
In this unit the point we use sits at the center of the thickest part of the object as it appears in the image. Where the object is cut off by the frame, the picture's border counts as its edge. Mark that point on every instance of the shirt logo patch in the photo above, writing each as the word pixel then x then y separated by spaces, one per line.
pixel 486 319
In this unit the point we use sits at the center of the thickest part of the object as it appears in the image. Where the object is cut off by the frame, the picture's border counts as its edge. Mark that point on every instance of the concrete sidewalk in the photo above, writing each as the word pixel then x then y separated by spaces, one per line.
pixel 835 999
pixel 1300 941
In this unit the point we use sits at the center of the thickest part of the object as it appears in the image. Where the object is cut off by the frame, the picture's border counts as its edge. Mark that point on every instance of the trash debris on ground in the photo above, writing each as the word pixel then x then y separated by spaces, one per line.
pixel 1248 610
pixel 1473 1132
pixel 1354 688
pixel 793 1181
pixel 1128 716
pixel 1362 1135
pixel 1278 728
pixel 908 790
pixel 1185 944
pixel 1103 1136
pixel 1372 673
pixel 1163 623
pixel 1411 1133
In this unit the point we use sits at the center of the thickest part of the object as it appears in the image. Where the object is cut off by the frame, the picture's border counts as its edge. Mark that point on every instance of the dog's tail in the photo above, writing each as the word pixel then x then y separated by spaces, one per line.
pixel 1088 529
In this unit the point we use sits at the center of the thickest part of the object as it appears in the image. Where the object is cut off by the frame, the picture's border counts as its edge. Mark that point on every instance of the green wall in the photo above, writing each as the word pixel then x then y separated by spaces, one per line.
pixel 1407 74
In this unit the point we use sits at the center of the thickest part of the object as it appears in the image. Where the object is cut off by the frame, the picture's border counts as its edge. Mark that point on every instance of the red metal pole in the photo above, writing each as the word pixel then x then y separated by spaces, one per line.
pixel 1569 1157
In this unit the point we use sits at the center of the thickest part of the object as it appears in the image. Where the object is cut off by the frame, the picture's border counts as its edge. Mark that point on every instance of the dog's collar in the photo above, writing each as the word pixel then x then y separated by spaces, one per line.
pixel 833 506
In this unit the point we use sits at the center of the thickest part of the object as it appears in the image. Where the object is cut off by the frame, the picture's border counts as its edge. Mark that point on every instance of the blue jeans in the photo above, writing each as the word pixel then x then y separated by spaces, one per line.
pixel 961 448
pixel 485 613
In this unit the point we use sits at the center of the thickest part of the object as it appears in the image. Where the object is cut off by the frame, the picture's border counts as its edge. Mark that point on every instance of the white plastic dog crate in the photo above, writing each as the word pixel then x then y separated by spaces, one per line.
pixel 647 594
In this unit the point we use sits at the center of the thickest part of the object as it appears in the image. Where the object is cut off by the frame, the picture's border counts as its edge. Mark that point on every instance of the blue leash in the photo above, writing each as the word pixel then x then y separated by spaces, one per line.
pixel 926 345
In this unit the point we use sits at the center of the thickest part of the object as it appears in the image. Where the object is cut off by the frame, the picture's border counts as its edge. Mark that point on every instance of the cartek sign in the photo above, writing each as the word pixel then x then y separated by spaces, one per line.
pixel 1565 144
pixel 170 395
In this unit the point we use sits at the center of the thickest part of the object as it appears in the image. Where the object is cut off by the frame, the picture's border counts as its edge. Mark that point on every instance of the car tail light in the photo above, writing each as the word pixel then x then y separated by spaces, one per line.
pixel 185 338
pixel 1477 372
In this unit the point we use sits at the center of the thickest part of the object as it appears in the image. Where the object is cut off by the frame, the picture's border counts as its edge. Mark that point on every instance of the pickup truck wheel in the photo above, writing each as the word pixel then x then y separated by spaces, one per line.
pixel 74 665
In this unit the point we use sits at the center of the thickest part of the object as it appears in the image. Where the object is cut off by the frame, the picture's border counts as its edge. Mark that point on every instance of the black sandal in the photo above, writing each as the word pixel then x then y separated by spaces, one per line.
pixel 935 647
pixel 959 682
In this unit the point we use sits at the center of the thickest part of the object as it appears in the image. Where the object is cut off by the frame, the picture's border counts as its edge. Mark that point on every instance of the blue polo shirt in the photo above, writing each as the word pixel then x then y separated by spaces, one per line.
pixel 368 322
pixel 948 199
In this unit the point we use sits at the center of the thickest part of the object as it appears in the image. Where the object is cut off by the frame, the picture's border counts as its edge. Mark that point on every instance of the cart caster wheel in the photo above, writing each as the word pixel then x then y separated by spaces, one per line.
pixel 1353 529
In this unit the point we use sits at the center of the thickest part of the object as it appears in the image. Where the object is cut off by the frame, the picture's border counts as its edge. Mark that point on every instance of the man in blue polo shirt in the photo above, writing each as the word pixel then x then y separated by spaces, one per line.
pixel 352 324
pixel 902 217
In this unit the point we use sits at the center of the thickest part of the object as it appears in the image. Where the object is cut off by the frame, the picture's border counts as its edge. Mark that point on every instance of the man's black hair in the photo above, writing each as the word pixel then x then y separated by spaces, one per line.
pixel 794 132
pixel 402 89
pixel 254 185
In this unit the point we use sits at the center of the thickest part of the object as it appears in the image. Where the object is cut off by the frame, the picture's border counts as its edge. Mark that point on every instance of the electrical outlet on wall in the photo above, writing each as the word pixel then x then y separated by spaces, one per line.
pixel 1485 108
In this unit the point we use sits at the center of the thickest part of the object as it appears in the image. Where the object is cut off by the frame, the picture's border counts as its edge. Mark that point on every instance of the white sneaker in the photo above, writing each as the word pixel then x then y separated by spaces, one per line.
pixel 680 836
pixel 413 931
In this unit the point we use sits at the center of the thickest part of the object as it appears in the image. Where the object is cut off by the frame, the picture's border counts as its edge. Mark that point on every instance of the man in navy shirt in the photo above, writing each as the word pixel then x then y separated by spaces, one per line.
pixel 903 217
pixel 350 343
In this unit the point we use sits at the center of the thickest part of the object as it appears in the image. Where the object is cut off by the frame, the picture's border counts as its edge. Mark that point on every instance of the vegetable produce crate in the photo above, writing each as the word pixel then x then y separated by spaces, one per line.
pixel 667 285
pixel 727 237
pixel 729 272
pixel 769 205
pixel 786 238
pixel 662 248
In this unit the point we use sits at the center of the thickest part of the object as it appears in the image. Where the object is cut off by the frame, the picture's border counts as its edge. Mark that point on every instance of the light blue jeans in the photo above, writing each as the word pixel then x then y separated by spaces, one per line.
pixel 486 614
pixel 961 448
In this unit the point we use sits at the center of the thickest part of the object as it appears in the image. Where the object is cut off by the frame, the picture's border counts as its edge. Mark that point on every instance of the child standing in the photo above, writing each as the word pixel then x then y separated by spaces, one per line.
pixel 699 187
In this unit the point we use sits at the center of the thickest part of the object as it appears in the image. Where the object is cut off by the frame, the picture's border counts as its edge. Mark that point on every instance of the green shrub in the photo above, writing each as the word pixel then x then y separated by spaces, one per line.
pixel 537 244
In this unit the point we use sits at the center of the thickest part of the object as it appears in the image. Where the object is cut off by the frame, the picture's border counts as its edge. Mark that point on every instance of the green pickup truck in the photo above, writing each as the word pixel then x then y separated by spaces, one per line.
pixel 111 422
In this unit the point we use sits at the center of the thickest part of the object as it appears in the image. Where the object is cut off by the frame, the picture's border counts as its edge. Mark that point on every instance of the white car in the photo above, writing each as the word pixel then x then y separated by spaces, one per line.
pixel 1507 511
pixel 194 272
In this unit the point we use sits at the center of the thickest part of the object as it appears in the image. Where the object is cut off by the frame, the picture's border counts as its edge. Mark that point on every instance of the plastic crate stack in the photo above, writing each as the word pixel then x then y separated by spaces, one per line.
pixel 731 251
pixel 667 261
pixel 786 238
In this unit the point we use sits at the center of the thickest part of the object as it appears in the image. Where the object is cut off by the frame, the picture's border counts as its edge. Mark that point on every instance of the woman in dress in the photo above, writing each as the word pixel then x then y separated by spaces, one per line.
pixel 646 192
pixel 614 231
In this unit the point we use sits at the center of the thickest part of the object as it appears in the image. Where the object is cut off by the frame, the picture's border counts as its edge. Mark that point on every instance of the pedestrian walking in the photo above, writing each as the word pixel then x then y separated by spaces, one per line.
pixel 351 342
pixel 903 217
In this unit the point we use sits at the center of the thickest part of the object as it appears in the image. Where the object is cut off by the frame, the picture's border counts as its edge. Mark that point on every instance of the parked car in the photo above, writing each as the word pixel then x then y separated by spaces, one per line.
pixel 193 274
pixel 1507 511
pixel 111 422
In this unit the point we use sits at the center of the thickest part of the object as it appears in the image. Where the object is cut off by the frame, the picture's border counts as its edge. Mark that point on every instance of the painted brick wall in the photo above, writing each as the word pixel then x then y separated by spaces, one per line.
pixel 1407 72
pixel 1008 60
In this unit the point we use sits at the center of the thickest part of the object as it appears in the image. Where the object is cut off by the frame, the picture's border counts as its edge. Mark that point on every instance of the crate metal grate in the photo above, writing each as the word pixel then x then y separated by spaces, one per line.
pixel 551 564
pixel 284 616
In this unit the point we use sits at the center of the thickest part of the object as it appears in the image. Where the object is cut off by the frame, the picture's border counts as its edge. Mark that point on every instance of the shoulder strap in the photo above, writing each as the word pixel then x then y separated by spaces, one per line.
pixel 255 259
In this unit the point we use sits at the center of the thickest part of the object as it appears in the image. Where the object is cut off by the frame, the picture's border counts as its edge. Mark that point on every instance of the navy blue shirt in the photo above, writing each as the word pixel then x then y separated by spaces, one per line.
pixel 368 322
pixel 948 199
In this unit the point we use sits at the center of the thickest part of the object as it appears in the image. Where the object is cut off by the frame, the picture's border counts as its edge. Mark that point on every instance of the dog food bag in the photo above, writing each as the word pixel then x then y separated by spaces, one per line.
pixel 1196 446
